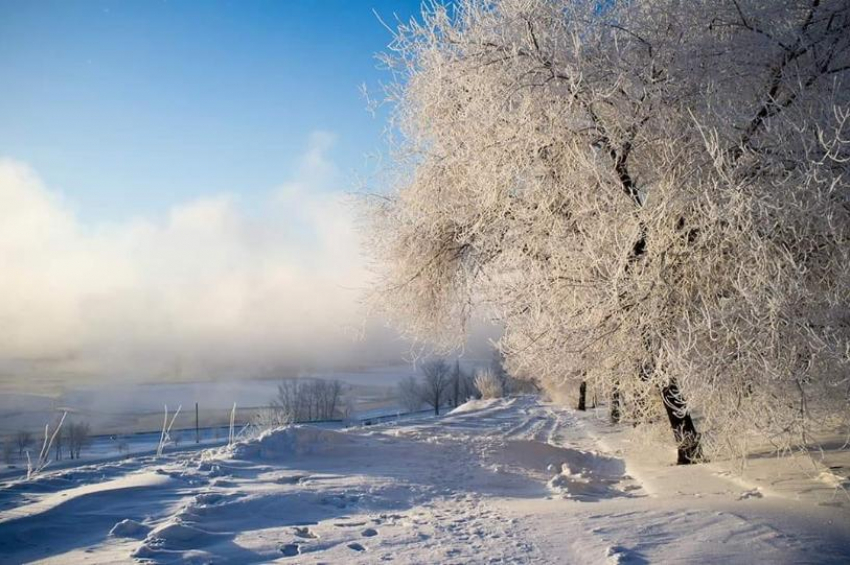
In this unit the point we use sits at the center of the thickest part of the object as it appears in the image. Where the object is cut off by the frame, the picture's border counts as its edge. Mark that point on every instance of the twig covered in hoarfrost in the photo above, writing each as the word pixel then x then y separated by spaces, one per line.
pixel 165 436
pixel 230 436
pixel 44 455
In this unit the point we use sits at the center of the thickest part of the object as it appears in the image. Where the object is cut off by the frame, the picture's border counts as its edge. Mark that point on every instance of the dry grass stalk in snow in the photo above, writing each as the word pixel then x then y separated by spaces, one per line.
pixel 165 436
pixel 652 197
pixel 488 384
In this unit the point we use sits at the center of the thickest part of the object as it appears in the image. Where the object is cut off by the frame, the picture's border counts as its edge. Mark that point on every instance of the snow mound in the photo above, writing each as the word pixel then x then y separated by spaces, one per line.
pixel 129 529
pixel 584 475
pixel 284 443
pixel 174 535
pixel 475 405
pixel 833 479
pixel 752 493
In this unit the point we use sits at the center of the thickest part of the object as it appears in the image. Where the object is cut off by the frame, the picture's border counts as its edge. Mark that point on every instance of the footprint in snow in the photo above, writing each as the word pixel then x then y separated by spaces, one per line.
pixel 291 479
pixel 290 549
pixel 304 532
pixel 754 493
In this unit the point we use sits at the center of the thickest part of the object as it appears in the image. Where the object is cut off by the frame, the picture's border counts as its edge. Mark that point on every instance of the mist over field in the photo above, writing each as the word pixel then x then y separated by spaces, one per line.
pixel 219 286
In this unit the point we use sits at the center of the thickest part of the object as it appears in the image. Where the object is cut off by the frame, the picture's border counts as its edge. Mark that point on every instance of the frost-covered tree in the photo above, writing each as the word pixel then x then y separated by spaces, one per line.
pixel 58 445
pixel 650 196
pixel 23 440
pixel 306 400
pixel 78 435
pixel 436 379
pixel 462 386
pixel 410 394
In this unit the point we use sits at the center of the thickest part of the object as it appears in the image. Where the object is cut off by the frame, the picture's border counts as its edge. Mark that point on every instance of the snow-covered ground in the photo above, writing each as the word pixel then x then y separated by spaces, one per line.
pixel 505 481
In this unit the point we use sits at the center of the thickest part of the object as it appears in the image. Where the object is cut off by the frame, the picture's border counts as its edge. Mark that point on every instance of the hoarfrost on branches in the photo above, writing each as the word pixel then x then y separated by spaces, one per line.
pixel 649 196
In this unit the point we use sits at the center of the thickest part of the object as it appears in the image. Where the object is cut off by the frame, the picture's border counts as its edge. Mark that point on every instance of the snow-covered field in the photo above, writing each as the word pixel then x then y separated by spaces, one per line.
pixel 505 481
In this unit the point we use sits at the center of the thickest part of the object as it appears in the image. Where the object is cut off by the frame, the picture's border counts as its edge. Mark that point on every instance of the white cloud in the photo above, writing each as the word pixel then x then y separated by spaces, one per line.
pixel 209 287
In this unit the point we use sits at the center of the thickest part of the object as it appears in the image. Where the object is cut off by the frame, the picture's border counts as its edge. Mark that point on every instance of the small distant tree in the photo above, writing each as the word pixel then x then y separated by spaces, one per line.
pixel 346 410
pixel 23 439
pixel 307 400
pixel 122 446
pixel 269 418
pixel 290 400
pixel 437 378
pixel 330 395
pixel 462 387
pixel 79 437
pixel 410 394
pixel 57 445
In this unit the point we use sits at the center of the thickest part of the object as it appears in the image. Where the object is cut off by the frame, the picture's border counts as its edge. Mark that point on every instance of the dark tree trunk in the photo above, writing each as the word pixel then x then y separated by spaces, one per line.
pixel 582 395
pixel 457 391
pixel 615 405
pixel 684 431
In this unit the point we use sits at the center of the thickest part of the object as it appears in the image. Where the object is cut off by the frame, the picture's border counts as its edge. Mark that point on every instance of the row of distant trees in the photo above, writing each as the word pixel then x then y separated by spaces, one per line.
pixel 442 384
pixel 70 441
pixel 302 400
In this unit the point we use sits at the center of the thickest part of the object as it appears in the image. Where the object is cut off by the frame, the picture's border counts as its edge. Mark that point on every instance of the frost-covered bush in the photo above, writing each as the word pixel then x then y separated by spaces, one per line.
pixel 488 384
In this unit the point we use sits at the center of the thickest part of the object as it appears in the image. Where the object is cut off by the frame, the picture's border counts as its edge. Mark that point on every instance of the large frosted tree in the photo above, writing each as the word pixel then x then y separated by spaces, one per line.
pixel 650 196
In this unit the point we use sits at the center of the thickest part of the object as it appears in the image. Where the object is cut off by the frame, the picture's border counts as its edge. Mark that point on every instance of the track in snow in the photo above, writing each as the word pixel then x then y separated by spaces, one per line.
pixel 507 481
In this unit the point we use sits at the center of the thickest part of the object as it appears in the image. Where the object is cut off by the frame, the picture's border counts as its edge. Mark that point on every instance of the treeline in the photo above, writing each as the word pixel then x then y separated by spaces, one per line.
pixel 445 385
pixel 69 442
pixel 301 400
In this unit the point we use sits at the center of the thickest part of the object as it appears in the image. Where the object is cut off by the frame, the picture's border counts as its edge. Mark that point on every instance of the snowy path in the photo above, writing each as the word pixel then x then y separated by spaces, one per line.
pixel 507 481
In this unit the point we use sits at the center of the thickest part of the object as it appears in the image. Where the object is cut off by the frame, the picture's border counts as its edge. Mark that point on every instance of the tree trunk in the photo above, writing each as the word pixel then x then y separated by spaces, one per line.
pixel 615 405
pixel 457 390
pixel 582 394
pixel 684 431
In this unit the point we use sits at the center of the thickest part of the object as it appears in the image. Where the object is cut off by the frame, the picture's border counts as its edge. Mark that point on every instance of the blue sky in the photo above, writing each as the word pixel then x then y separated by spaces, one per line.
pixel 173 180
pixel 128 107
